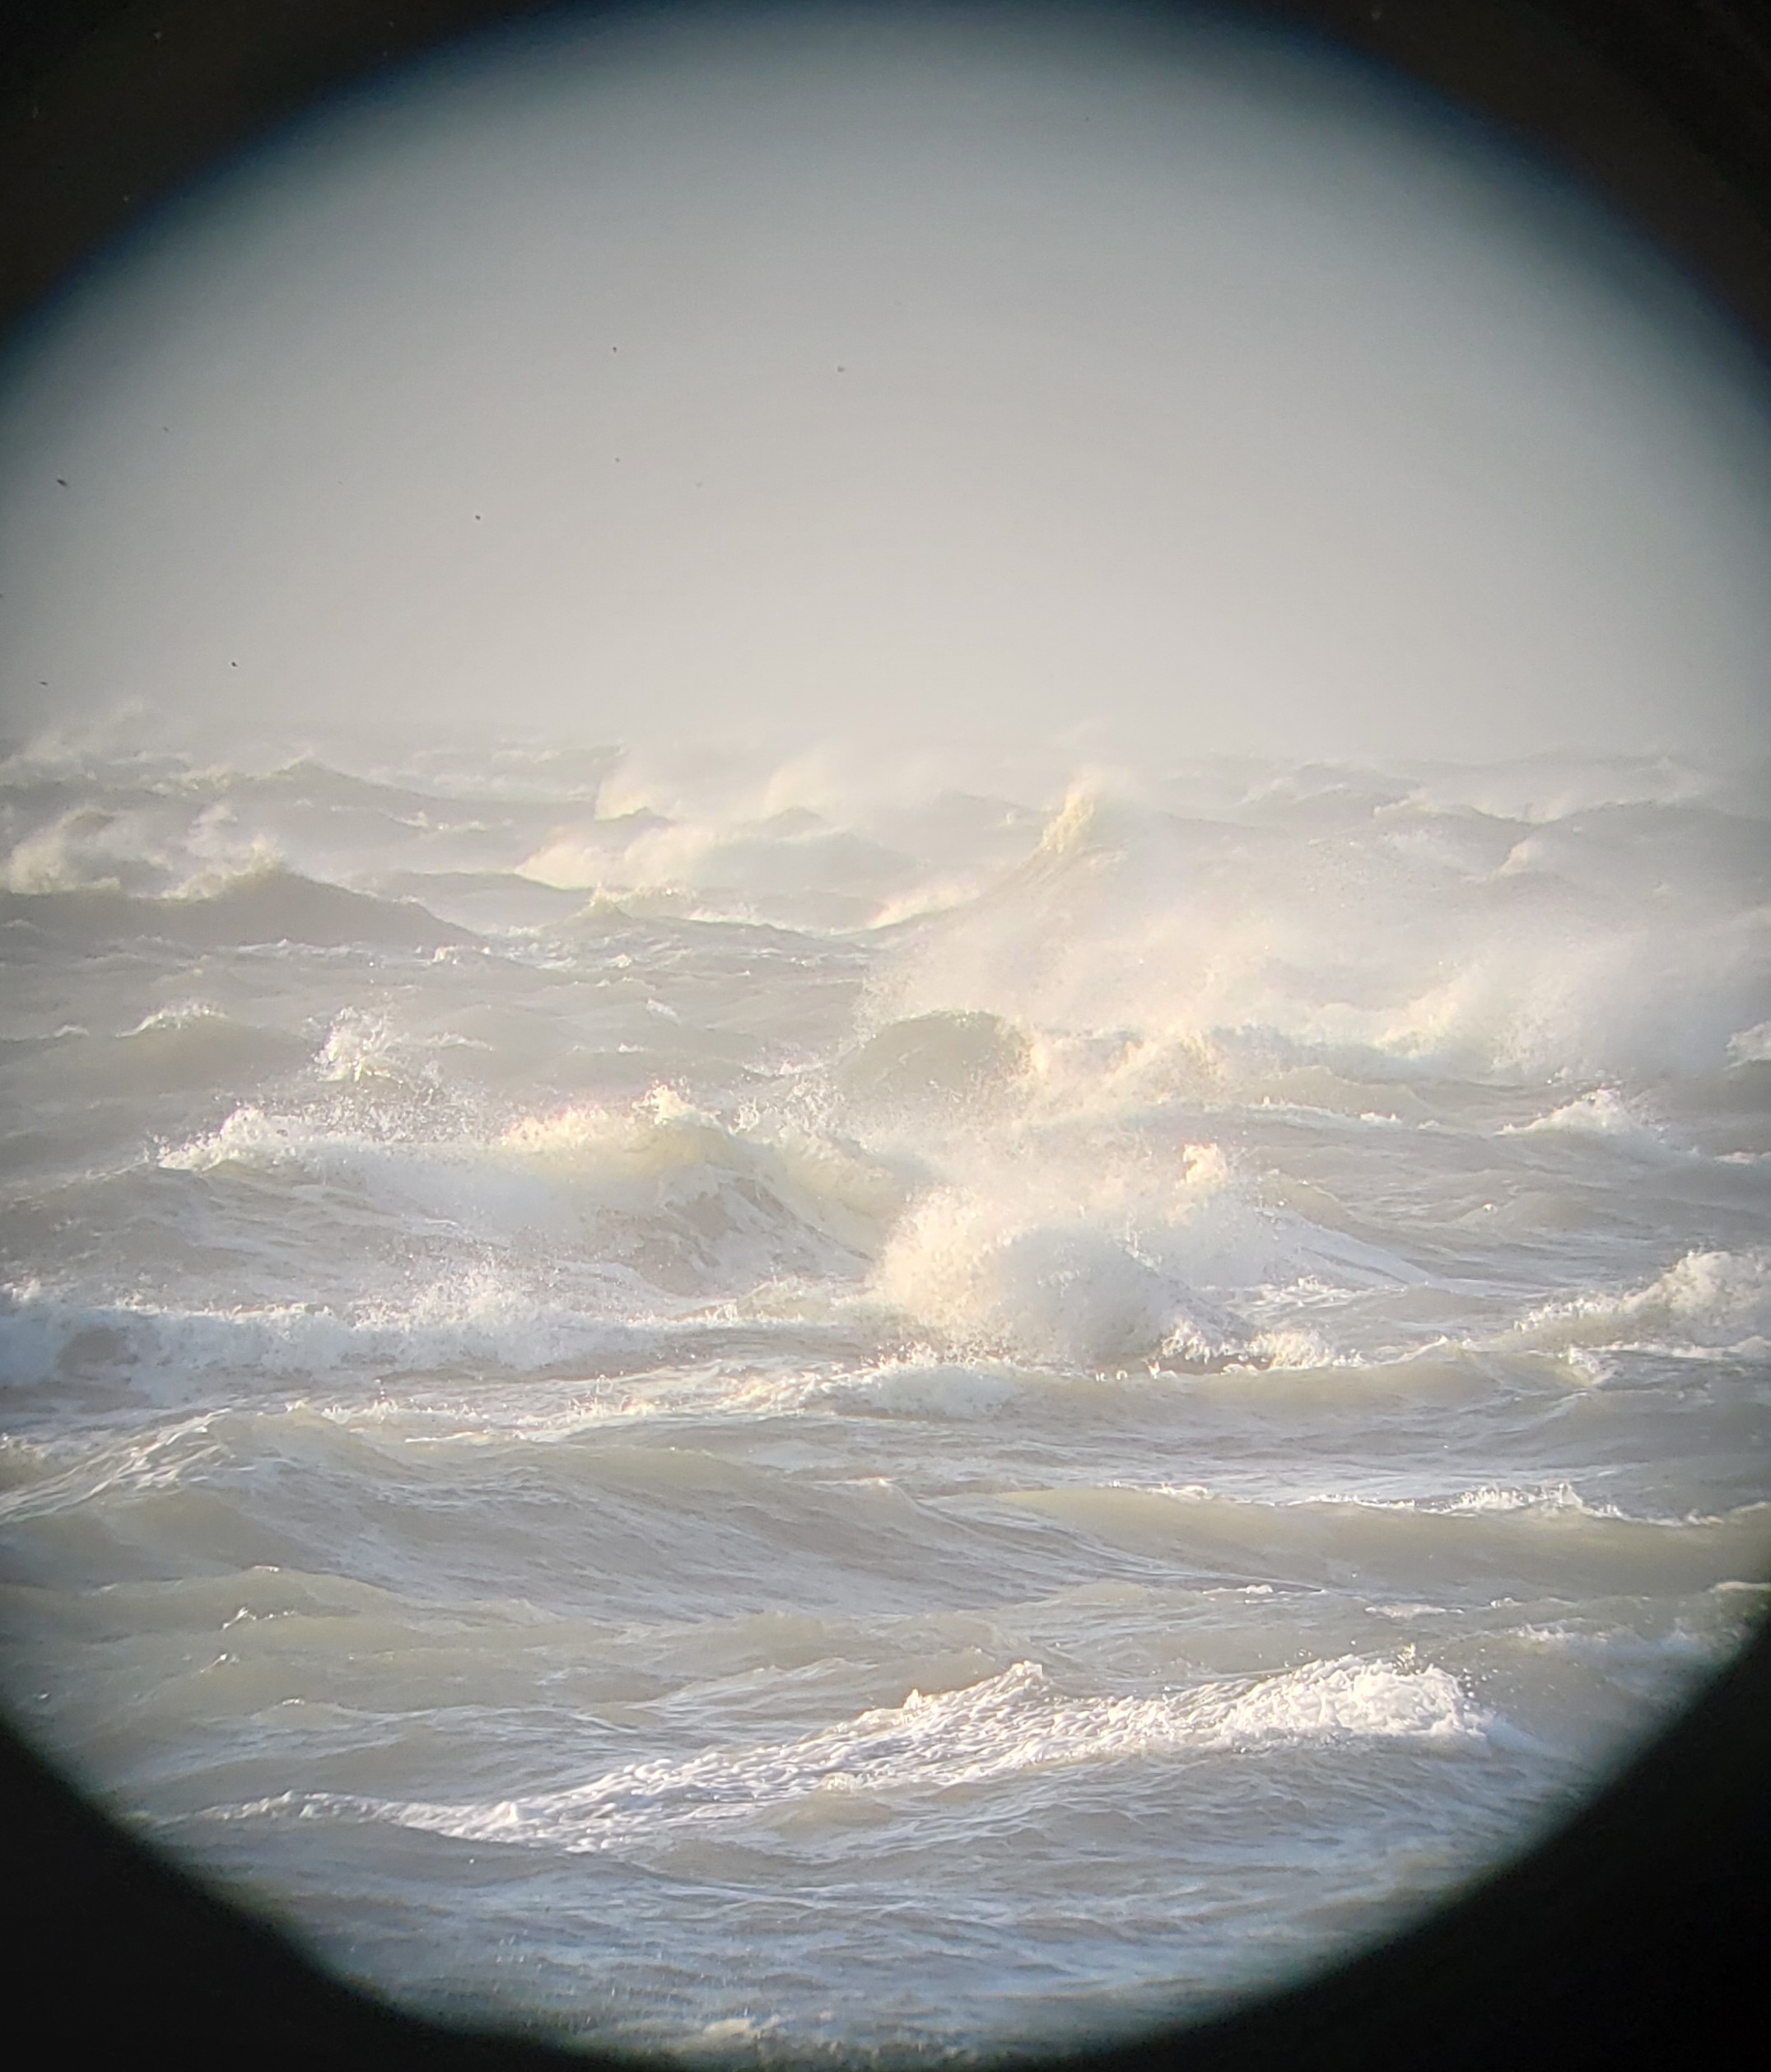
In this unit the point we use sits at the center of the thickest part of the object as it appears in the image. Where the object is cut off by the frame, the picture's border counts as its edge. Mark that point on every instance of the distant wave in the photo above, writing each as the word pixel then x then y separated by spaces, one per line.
pixel 267 905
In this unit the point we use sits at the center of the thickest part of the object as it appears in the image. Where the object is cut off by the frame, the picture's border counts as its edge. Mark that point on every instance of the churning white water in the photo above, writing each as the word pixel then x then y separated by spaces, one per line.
pixel 853 1403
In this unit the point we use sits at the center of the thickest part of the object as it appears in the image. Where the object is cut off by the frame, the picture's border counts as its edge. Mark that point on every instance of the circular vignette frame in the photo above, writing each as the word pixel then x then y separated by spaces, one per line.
pixel 1640 1926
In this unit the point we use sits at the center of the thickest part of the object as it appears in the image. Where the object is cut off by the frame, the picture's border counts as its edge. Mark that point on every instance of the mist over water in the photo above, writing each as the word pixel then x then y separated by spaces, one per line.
pixel 816 370
pixel 948 1226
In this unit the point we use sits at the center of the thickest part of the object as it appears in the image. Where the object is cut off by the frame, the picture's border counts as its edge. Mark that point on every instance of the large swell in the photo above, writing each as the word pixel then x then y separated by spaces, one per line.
pixel 778 1406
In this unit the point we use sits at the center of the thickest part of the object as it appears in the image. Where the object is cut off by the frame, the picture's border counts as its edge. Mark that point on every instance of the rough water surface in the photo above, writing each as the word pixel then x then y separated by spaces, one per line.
pixel 852 1404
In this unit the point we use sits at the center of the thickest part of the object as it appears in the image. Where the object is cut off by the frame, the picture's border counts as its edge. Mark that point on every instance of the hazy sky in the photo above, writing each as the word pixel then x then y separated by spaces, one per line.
pixel 834 371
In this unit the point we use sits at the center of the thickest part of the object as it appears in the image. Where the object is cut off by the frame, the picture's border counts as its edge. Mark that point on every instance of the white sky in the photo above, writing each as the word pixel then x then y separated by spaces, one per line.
pixel 840 373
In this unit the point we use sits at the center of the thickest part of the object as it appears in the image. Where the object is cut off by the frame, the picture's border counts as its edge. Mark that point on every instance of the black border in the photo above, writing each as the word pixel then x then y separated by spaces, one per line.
pixel 1642 1928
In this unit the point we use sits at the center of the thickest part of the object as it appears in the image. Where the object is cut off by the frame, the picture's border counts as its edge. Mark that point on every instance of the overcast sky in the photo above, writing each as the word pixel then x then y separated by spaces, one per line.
pixel 842 372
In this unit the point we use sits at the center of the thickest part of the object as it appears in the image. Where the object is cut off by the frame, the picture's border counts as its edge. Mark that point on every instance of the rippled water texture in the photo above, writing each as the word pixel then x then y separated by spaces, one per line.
pixel 782 1407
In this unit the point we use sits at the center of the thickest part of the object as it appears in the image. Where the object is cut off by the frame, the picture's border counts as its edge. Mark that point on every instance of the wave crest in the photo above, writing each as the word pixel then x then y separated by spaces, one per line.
pixel 1008 1725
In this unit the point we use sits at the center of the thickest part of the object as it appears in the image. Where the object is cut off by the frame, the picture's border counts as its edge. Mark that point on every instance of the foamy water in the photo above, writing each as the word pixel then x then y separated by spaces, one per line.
pixel 786 1404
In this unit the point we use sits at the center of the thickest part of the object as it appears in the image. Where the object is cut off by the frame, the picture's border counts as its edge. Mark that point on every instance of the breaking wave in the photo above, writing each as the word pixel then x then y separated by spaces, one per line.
pixel 476 1323
pixel 1709 1301
pixel 1009 1724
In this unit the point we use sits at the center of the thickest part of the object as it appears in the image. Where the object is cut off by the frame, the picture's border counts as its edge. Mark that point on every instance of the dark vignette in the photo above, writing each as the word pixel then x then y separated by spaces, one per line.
pixel 1641 1929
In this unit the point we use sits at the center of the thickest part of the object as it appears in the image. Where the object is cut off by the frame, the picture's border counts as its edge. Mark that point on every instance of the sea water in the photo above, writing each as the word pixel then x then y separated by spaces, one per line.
pixel 848 1403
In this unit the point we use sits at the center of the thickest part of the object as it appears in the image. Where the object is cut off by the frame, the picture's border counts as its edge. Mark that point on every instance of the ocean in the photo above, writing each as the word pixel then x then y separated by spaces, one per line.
pixel 871 1403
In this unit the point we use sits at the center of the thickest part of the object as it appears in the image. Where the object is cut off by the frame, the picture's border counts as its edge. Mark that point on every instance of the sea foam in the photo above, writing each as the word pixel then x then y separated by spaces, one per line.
pixel 1007 1725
